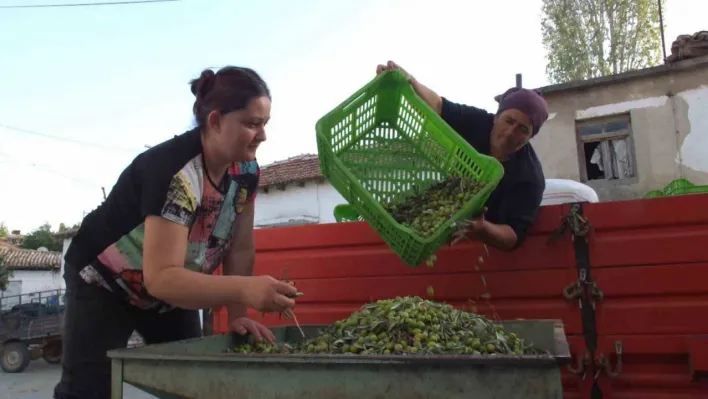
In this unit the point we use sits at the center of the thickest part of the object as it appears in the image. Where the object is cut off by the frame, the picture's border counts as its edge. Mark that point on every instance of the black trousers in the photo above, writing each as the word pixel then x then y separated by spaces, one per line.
pixel 96 321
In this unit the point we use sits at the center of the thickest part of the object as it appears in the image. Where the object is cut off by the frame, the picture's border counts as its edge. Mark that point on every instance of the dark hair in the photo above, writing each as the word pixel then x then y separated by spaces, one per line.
pixel 229 89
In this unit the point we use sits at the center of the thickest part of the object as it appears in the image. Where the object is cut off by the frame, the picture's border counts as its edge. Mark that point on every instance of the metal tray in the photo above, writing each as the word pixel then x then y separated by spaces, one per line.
pixel 200 368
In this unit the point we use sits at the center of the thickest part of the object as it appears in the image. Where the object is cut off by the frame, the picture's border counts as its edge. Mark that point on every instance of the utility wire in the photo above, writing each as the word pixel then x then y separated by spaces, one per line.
pixel 107 3
pixel 69 140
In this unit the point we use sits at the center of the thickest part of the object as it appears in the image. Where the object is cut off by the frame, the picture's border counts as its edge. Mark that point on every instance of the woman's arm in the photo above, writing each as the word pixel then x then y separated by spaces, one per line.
pixel 518 214
pixel 165 277
pixel 499 236
pixel 241 257
pixel 466 120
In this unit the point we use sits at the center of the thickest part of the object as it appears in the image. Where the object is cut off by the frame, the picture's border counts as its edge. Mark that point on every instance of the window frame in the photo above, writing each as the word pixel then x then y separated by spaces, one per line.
pixel 605 139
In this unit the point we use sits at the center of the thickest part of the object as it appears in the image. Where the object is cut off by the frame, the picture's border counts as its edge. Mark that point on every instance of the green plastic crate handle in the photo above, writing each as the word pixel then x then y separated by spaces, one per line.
pixel 358 95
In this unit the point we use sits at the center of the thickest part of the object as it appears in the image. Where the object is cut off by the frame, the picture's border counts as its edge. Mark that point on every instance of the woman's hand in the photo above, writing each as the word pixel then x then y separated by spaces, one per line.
pixel 392 66
pixel 266 294
pixel 244 325
pixel 475 227
pixel 429 96
pixel 477 224
pixel 499 236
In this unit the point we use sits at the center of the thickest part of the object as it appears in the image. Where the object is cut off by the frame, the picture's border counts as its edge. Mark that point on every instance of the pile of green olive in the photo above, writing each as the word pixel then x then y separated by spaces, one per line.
pixel 405 326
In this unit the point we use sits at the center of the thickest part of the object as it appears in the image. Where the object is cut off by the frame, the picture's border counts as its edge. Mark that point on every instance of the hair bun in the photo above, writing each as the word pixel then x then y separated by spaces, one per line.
pixel 200 87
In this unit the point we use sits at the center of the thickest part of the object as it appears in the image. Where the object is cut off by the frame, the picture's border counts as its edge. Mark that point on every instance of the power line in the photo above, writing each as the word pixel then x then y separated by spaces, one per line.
pixel 108 3
pixel 69 140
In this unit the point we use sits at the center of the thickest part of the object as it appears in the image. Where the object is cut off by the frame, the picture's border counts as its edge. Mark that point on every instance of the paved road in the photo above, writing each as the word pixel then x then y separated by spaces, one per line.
pixel 38 380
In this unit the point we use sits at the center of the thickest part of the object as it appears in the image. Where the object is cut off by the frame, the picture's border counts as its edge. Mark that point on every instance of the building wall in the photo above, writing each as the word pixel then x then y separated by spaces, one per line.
pixel 668 114
pixel 28 283
pixel 38 280
pixel 312 203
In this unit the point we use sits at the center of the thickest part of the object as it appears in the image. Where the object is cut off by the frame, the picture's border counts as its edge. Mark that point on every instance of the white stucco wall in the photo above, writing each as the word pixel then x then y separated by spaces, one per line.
pixel 38 280
pixel 695 144
pixel 620 107
pixel 27 283
pixel 313 203
pixel 692 153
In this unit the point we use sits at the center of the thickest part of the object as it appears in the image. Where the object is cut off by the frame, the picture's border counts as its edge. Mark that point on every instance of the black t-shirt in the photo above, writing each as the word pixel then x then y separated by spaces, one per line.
pixel 168 180
pixel 516 199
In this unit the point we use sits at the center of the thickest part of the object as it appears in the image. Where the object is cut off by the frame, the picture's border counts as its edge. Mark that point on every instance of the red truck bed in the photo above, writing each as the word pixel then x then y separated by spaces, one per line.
pixel 649 259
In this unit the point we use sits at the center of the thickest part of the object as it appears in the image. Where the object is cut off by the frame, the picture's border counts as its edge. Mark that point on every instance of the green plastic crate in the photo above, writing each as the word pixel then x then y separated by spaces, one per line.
pixel 384 139
pixel 346 213
pixel 677 187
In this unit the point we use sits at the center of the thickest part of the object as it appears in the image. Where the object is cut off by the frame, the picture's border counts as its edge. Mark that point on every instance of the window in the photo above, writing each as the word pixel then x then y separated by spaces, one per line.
pixel 606 147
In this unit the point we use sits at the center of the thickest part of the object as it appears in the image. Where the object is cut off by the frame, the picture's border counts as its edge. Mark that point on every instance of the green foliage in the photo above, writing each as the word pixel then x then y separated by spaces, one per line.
pixel 5 275
pixel 591 38
pixel 4 233
pixel 42 237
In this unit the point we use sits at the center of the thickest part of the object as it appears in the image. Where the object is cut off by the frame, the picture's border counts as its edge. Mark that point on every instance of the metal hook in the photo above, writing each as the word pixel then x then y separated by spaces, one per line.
pixel 607 367
pixel 582 363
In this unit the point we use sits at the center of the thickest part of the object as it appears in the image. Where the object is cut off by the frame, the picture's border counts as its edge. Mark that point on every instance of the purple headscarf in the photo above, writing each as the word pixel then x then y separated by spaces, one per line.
pixel 530 102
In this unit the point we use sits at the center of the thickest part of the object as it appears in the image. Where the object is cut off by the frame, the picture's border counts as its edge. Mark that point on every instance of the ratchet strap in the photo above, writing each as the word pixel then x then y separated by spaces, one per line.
pixel 580 227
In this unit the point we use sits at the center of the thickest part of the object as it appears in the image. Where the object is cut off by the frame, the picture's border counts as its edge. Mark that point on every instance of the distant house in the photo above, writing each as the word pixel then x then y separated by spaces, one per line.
pixel 294 192
pixel 15 238
pixel 5 244
pixel 32 272
pixel 627 134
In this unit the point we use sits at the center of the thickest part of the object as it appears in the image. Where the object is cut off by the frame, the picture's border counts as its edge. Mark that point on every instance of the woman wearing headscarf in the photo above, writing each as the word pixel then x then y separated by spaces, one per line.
pixel 512 207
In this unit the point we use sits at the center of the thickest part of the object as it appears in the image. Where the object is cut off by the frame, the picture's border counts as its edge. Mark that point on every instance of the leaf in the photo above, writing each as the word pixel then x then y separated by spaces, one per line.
pixel 5 275
pixel 586 39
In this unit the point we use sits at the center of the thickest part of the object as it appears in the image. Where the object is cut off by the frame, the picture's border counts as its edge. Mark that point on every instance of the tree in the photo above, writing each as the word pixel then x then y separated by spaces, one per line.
pixel 5 275
pixel 4 233
pixel 41 237
pixel 591 38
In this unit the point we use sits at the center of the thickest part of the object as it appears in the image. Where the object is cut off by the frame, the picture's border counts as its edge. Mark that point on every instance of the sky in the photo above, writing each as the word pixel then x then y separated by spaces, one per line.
pixel 83 90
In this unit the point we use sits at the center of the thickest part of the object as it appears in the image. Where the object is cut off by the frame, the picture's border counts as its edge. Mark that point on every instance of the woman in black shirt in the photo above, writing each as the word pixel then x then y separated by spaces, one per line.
pixel 513 205
pixel 143 260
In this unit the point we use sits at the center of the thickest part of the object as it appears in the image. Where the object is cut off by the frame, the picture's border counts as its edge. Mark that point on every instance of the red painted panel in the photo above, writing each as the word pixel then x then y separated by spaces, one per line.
pixel 655 280
pixel 645 213
pixel 658 299
pixel 698 356
pixel 379 260
pixel 447 287
pixel 315 236
pixel 656 245
pixel 359 233
pixel 659 315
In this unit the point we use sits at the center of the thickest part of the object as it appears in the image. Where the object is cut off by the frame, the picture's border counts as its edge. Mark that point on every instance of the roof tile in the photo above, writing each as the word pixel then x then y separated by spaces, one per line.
pixel 29 259
pixel 300 168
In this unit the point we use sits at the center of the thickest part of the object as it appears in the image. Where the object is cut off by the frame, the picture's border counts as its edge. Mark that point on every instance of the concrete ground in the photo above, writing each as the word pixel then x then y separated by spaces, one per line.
pixel 38 380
